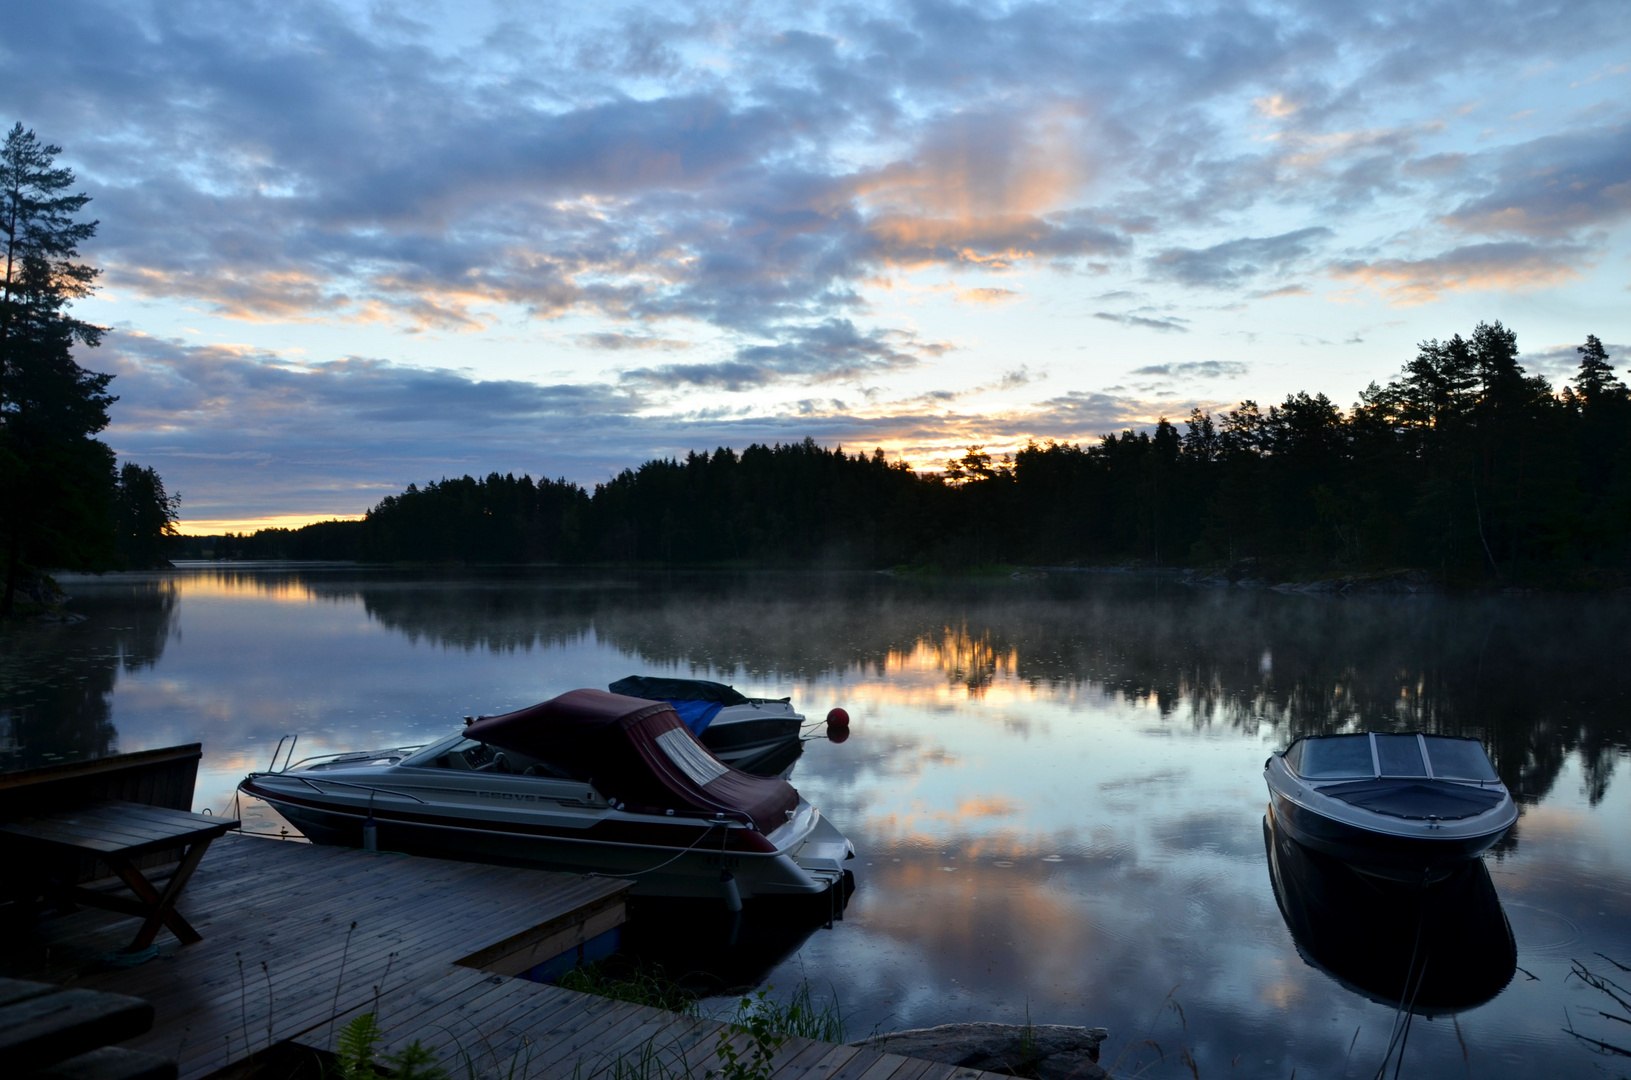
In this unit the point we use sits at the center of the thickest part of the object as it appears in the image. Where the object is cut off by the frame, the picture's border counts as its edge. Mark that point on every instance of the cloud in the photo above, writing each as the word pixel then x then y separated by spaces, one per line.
pixel 1196 369
pixel 1274 106
pixel 1236 262
pixel 1100 413
pixel 832 350
pixel 244 433
pixel 1505 266
pixel 1562 361
pixel 1012 380
pixel 1172 323
pixel 1555 187
pixel 746 171
pixel 986 296
pixel 614 342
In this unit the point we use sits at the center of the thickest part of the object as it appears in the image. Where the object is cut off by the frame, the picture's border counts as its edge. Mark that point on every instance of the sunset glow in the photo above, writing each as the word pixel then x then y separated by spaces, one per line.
pixel 347 247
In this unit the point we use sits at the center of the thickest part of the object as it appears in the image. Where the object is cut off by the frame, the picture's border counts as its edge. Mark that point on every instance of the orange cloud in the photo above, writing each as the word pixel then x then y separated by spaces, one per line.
pixel 986 297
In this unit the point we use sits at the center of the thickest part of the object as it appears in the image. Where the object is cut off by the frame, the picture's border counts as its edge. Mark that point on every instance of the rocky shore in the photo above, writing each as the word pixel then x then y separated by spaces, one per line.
pixel 1035 1051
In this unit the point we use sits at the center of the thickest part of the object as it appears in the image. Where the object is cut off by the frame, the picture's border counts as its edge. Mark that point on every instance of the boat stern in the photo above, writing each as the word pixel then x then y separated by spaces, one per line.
pixel 824 851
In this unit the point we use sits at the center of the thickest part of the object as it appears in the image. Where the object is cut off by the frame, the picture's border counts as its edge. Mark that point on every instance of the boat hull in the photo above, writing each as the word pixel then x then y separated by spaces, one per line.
pixel 1397 858
pixel 745 739
pixel 655 868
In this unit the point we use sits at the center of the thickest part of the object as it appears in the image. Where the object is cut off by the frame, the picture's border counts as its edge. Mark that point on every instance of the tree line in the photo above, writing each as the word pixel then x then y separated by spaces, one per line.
pixel 65 501
pixel 1464 464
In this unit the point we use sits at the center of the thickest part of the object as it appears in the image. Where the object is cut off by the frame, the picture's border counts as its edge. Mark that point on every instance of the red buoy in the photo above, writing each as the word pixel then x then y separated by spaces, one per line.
pixel 838 718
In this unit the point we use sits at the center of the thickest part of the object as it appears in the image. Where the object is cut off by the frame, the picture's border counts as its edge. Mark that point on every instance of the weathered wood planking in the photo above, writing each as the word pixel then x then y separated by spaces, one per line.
pixel 292 907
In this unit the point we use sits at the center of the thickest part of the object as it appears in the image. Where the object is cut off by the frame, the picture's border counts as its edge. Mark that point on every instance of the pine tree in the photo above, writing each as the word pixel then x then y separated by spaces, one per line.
pixel 144 517
pixel 56 479
pixel 1595 377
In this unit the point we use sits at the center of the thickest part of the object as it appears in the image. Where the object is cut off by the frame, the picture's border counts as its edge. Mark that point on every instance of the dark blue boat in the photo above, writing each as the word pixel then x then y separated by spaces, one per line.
pixel 1409 807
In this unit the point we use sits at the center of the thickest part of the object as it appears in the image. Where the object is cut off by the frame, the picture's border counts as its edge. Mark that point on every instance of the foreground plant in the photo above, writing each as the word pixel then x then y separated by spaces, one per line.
pixel 358 1041
pixel 756 1017
pixel 1620 995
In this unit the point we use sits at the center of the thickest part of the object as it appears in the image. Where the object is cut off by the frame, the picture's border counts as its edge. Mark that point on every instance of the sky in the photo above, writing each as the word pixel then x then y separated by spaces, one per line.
pixel 346 247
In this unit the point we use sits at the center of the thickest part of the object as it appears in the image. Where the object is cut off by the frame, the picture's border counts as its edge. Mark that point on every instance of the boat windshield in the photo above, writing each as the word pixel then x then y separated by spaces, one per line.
pixel 1346 757
pixel 1459 759
pixel 1332 757
pixel 468 755
pixel 1399 755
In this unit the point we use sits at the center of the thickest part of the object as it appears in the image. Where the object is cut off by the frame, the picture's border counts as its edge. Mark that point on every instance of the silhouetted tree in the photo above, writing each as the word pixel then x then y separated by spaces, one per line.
pixel 144 517
pixel 56 480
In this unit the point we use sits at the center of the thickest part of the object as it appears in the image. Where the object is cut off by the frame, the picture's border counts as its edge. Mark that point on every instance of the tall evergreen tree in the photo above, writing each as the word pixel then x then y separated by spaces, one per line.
pixel 56 479
pixel 1595 376
pixel 144 517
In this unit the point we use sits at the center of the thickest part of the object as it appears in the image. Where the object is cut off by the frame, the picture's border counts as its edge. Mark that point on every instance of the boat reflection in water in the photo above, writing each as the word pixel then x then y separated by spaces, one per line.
pixel 1437 949
pixel 709 950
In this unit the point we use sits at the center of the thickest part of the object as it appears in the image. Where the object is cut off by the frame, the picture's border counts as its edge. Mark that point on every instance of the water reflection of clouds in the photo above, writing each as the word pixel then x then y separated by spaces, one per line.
pixel 1086 758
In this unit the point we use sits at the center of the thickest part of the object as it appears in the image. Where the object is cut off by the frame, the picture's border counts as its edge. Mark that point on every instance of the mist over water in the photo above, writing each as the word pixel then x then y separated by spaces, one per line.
pixel 1054 786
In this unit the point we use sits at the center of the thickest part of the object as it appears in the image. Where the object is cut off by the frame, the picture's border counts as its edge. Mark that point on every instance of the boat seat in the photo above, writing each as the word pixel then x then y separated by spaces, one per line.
pixel 1418 799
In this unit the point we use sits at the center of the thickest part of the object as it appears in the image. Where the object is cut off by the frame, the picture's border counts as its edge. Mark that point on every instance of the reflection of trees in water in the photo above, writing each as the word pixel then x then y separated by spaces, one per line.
pixel 55 679
pixel 1536 677
pixel 967 658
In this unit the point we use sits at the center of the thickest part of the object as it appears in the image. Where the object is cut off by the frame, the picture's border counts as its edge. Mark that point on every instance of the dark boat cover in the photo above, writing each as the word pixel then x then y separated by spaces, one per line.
pixel 1419 799
pixel 638 752
pixel 655 688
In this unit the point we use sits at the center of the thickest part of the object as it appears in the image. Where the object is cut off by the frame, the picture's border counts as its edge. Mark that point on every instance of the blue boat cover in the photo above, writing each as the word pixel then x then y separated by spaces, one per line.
pixel 662 688
pixel 1419 799
pixel 697 714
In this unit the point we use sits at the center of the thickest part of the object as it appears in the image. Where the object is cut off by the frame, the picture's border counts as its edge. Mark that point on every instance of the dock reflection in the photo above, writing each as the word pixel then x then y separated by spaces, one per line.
pixel 1439 949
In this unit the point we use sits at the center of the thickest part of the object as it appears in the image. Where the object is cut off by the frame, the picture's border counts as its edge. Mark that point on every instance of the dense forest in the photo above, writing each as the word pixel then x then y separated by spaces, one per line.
pixel 1464 464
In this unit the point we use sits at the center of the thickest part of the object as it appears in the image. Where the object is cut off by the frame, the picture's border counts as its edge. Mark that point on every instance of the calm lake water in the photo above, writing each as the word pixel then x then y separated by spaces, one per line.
pixel 1054 786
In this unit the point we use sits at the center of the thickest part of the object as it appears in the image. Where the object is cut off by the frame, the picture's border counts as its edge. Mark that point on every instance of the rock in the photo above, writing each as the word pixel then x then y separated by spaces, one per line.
pixel 40 598
pixel 1037 1051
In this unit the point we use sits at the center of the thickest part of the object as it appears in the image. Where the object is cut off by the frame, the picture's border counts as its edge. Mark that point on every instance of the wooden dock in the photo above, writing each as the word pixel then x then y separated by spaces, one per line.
pixel 510 1028
pixel 297 939
pixel 277 924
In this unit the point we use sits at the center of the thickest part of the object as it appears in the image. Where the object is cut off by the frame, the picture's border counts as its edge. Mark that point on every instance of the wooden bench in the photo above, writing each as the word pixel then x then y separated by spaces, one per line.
pixel 117 833
pixel 45 1029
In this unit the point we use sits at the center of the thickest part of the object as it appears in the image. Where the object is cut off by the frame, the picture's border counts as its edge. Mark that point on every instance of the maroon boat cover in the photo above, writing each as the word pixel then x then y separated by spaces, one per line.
pixel 638 752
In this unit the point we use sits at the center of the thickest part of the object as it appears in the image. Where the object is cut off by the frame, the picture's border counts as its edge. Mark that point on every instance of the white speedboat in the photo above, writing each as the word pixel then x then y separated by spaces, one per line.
pixel 1400 806
pixel 590 782
pixel 756 735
